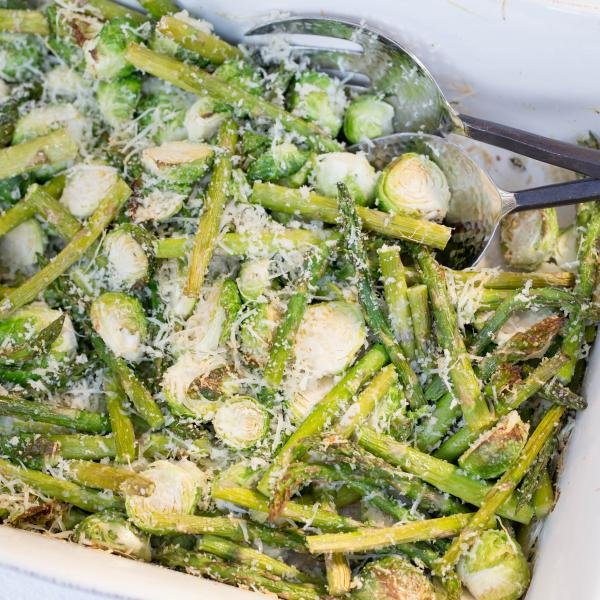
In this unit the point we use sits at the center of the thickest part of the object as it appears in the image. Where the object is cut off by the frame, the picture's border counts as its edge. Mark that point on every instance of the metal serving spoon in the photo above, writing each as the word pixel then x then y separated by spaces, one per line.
pixel 367 59
pixel 477 205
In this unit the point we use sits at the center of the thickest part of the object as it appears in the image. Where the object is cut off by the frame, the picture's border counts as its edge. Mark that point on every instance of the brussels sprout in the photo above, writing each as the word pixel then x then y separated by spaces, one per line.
pixel 44 119
pixel 125 251
pixel 257 331
pixel 118 98
pixel 254 278
pixel 496 449
pixel 329 338
pixel 178 488
pixel 21 247
pixel 28 322
pixel 157 206
pixel 162 114
pixel 85 186
pixel 529 238
pixel 21 57
pixel 105 53
pixel 343 167
pixel 120 321
pixel 366 118
pixel 240 73
pixel 63 83
pixel 241 422
pixel 189 386
pixel 393 578
pixel 113 532
pixel 171 279
pixel 413 184
pixel 495 567
pixel 281 160
pixel 318 97
pixel 181 163
pixel 565 252
pixel 202 119
pixel 520 322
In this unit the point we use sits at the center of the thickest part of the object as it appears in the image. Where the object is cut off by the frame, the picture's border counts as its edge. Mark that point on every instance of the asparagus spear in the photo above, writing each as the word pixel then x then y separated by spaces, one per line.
pixel 84 447
pixel 435 426
pixel 338 574
pixel 108 10
pixel 58 489
pixel 439 473
pixel 313 206
pixel 195 80
pixel 498 495
pixel 23 21
pixel 107 477
pixel 396 297
pixel 53 212
pixel 465 384
pixel 326 409
pixel 208 46
pixel 420 317
pixel 158 8
pixel 120 423
pixel 55 147
pixel 71 253
pixel 352 236
pixel 216 197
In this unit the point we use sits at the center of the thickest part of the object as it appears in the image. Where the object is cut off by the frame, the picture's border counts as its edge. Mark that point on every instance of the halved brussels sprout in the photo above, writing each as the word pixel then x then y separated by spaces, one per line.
pixel 319 98
pixel 27 322
pixel 413 184
pixel 519 322
pixel 202 120
pixel 257 331
pixel 158 206
pixel 4 90
pixel 85 186
pixel 329 338
pixel 125 252
pixel 44 119
pixel 495 567
pixel 21 247
pixel 118 98
pixel 254 279
pixel 105 53
pixel 241 422
pixel 393 578
pixel 529 238
pixel 113 532
pixel 21 56
pixel 120 321
pixel 281 160
pixel 178 162
pixel 366 118
pixel 62 82
pixel 565 253
pixel 344 167
pixel 240 73
pixel 162 113
pixel 178 489
pixel 188 385
pixel 171 279
pixel 496 449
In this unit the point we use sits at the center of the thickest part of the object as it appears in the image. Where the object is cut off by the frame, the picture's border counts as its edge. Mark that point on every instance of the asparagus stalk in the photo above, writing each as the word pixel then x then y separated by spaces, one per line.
pixel 384 537
pixel 80 420
pixel 465 384
pixel 439 473
pixel 396 297
pixel 84 447
pixel 502 490
pixel 108 477
pixel 420 317
pixel 53 212
pixel 71 253
pixel 216 197
pixel 319 418
pixel 557 393
pixel 338 574
pixel 312 206
pixel 352 235
pixel 543 496
pixel 195 80
pixel 120 423
pixel 158 8
pixel 23 21
pixel 507 280
pixel 204 565
pixel 55 147
pixel 208 46
pixel 435 426
pixel 108 10
pixel 458 443
pixel 58 489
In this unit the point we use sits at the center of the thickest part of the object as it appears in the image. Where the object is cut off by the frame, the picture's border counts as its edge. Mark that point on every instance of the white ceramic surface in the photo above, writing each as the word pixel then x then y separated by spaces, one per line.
pixel 527 63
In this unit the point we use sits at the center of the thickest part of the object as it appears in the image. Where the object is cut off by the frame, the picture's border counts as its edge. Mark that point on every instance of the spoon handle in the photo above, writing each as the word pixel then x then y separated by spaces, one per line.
pixel 554 152
pixel 558 194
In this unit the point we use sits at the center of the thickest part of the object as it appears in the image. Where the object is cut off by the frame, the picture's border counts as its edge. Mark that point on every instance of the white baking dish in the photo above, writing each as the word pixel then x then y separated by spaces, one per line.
pixel 527 63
